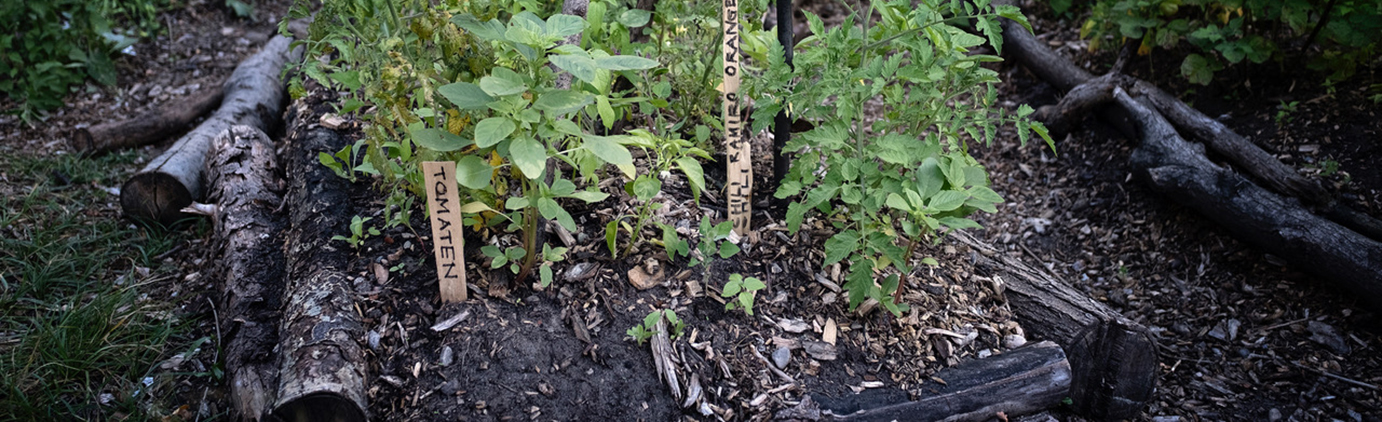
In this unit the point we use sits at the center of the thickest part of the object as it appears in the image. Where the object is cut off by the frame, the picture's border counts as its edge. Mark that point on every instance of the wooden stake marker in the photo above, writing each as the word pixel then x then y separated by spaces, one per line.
pixel 740 186
pixel 447 244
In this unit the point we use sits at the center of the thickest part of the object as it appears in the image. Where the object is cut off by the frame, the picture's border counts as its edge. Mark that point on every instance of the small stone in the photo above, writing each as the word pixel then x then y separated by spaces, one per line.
pixel 450 388
pixel 1180 328
pixel 781 357
pixel 1013 341
pixel 641 280
pixel 580 271
pixel 447 356
pixel 373 339
pixel 819 350
pixel 1166 419
pixel 1273 415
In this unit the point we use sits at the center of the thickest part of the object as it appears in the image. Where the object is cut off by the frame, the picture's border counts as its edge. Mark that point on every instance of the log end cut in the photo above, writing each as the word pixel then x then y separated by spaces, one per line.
pixel 320 407
pixel 1114 368
pixel 154 197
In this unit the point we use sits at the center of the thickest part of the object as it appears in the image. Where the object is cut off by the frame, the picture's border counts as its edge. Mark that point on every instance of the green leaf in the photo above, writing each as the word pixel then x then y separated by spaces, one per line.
pixel 947 200
pixel 435 139
pixel 728 249
pixel 606 149
pixel 625 63
pixel 1197 69
pixel 582 68
pixel 732 287
pixel 529 155
pixel 612 234
pixel 560 25
pixel 985 194
pixel 929 178
pixel 955 172
pixel 896 149
pixel 959 223
pixel 606 112
pixel 490 30
pixel 645 187
pixel 473 172
pixel 896 202
pixel 503 82
pixel 839 246
pixel 328 160
pixel 551 210
pixel 545 273
pixel 753 284
pixel 466 95
pixel 562 101
pixel 589 196
pixel 634 18
pixel 695 175
pixel 348 79
pixel 493 130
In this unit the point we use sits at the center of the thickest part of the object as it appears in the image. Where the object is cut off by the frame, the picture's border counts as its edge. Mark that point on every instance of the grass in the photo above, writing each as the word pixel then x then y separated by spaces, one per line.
pixel 82 320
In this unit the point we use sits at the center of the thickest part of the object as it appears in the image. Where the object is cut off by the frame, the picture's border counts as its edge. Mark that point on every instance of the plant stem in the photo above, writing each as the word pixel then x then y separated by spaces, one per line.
pixel 529 233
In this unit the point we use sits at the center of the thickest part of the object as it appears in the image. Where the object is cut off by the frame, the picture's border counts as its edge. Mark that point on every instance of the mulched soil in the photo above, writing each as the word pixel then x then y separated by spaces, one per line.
pixel 1242 337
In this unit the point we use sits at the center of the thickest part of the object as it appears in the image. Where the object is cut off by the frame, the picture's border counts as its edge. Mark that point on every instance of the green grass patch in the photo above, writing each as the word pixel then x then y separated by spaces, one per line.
pixel 81 310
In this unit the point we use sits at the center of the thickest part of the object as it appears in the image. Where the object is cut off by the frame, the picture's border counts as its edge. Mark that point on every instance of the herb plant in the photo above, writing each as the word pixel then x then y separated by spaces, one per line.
pixel 741 291
pixel 646 330
pixel 886 185
pixel 358 232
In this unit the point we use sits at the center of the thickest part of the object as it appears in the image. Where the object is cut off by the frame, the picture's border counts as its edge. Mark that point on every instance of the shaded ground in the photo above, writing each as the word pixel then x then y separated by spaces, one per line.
pixel 1235 326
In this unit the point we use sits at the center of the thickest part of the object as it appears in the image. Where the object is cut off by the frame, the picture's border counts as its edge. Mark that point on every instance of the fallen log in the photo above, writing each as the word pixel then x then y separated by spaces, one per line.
pixel 1179 169
pixel 1025 380
pixel 150 127
pixel 242 174
pixel 253 97
pixel 1112 358
pixel 1276 225
pixel 322 369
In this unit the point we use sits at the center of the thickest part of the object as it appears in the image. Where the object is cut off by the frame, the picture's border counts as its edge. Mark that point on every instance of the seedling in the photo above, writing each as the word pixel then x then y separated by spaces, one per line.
pixel 358 232
pixel 648 328
pixel 741 290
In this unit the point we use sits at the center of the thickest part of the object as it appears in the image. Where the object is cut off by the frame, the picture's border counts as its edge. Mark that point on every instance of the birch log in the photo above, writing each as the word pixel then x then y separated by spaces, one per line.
pixel 253 97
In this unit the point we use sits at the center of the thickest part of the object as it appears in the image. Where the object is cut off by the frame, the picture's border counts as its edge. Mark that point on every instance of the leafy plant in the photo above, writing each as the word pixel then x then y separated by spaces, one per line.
pixel 1284 111
pixel 358 232
pixel 646 330
pixel 666 153
pixel 713 242
pixel 908 174
pixel 46 47
pixel 741 291
pixel 1229 32
pixel 340 162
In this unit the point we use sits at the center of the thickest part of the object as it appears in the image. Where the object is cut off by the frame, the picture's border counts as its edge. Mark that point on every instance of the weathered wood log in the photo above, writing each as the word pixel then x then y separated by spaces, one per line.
pixel 1113 358
pixel 1025 380
pixel 322 369
pixel 150 127
pixel 242 174
pixel 253 97
pixel 1276 225
pixel 1179 169
pixel 1262 165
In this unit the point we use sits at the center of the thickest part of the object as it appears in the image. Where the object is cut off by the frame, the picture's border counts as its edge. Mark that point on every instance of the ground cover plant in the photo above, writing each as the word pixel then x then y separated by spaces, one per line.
pixel 76 344
pixel 51 46
pixel 1226 33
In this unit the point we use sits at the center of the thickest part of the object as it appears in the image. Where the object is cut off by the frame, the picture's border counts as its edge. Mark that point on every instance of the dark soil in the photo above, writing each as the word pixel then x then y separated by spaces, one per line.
pixel 560 353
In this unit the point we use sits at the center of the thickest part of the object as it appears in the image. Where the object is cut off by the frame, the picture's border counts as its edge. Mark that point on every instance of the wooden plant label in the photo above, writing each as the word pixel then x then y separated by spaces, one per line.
pixel 740 187
pixel 447 244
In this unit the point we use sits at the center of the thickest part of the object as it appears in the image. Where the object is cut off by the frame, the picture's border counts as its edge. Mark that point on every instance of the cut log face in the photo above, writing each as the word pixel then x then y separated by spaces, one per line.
pixel 1112 358
pixel 253 97
pixel 1025 380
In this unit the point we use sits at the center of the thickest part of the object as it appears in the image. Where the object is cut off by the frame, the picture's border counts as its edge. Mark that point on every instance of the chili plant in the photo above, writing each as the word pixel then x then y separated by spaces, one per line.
pixel 889 183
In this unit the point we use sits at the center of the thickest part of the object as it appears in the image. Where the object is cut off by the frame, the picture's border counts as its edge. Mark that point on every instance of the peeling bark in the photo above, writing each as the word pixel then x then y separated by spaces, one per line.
pixel 322 368
pixel 243 175
pixel 253 97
